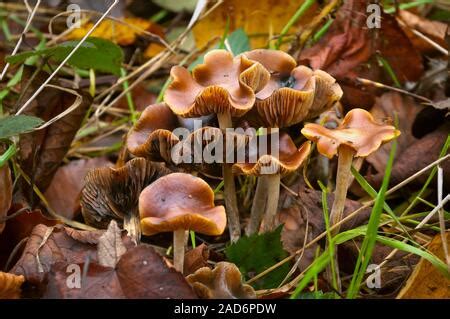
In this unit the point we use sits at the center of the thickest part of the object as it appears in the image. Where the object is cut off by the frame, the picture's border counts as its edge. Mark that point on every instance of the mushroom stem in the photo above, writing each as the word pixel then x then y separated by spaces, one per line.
pixel 343 178
pixel 258 207
pixel 272 183
pixel 229 187
pixel 179 240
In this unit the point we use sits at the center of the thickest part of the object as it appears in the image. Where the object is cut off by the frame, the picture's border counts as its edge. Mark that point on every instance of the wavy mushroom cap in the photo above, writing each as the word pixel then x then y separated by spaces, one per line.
pixel 180 201
pixel 358 131
pixel 222 84
pixel 289 159
pixel 151 136
pixel 292 94
pixel 112 193
pixel 224 282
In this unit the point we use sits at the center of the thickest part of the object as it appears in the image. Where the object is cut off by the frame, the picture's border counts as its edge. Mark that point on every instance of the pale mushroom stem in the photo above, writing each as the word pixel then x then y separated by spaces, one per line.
pixel 343 177
pixel 258 207
pixel 179 241
pixel 272 183
pixel 229 187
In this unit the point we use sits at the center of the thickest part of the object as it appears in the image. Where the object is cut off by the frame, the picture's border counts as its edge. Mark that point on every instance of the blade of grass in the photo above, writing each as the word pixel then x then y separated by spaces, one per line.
pixel 129 97
pixel 372 229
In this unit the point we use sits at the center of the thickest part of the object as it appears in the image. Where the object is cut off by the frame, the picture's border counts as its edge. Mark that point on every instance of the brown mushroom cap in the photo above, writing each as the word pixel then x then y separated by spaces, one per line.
pixel 358 131
pixel 289 160
pixel 222 84
pixel 180 201
pixel 292 94
pixel 151 130
pixel 112 193
pixel 224 282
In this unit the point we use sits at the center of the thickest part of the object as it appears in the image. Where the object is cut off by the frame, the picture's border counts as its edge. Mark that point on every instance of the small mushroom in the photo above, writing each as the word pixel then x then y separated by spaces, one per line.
pixel 358 135
pixel 293 94
pixel 269 169
pixel 177 203
pixel 224 282
pixel 113 193
pixel 225 86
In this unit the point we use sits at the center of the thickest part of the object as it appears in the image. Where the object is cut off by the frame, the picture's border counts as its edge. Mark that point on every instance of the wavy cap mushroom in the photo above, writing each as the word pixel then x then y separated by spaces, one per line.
pixel 177 203
pixel 113 193
pixel 225 86
pixel 358 135
pixel 151 136
pixel 293 93
pixel 224 282
pixel 269 168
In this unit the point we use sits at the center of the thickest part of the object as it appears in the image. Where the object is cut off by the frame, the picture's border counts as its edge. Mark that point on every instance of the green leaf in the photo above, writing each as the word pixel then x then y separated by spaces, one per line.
pixel 177 5
pixel 256 253
pixel 239 41
pixel 95 53
pixel 15 125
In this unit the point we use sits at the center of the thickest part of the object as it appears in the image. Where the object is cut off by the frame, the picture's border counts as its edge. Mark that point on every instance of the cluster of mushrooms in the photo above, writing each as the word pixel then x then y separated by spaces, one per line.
pixel 152 192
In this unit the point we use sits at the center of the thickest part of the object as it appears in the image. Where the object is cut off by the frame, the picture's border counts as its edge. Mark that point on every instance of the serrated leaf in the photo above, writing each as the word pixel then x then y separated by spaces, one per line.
pixel 256 253
pixel 95 53
pixel 15 125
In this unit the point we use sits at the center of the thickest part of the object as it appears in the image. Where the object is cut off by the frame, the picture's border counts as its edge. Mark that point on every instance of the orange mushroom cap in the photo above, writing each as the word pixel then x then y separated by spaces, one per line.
pixel 358 131
pixel 290 159
pixel 180 201
pixel 222 84
pixel 224 282
pixel 292 94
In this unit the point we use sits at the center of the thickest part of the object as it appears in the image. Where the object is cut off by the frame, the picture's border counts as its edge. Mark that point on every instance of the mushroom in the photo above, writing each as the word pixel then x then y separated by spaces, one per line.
pixel 358 135
pixel 270 168
pixel 177 203
pixel 293 94
pixel 225 86
pixel 112 193
pixel 224 282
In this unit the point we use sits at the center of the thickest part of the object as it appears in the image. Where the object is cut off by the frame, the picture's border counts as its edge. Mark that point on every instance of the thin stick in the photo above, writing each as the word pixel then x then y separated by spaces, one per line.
pixel 440 177
pixel 19 42
pixel 66 59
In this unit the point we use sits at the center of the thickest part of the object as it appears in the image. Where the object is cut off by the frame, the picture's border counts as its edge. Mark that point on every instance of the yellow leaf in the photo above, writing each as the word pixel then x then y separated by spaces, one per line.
pixel 10 285
pixel 259 18
pixel 426 281
pixel 120 33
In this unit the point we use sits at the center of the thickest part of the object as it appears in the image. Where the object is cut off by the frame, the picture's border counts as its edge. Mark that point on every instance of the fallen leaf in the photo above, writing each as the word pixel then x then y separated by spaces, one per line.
pixel 349 50
pixel 303 216
pixel 41 152
pixel 427 282
pixel 141 99
pixel 10 285
pixel 390 106
pixel 63 245
pixel 110 246
pixel 258 18
pixel 6 190
pixel 434 30
pixel 63 194
pixel 140 274
pixel 195 259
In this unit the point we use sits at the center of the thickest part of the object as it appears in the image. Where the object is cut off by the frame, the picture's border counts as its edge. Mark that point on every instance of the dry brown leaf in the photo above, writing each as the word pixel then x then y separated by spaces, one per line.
pixel 349 50
pixel 195 259
pixel 387 107
pixel 140 274
pixel 63 245
pixel 63 194
pixel 259 18
pixel 6 190
pixel 110 246
pixel 427 282
pixel 41 152
pixel 10 285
